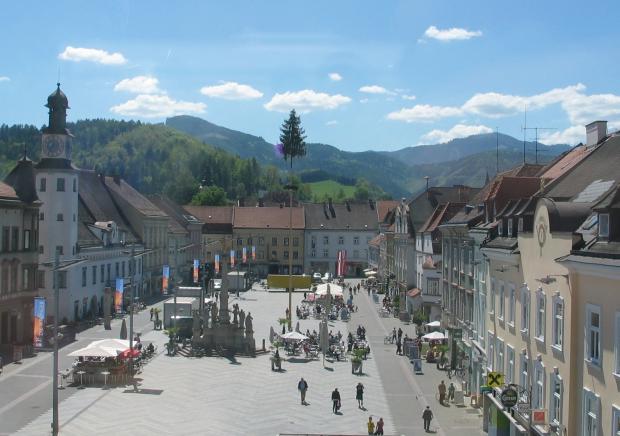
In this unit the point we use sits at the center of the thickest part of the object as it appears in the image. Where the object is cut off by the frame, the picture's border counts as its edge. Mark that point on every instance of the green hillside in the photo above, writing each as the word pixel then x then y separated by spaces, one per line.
pixel 330 189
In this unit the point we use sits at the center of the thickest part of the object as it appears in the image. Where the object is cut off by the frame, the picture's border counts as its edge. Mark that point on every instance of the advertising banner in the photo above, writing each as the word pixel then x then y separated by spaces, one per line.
pixel 253 252
pixel 217 264
pixel 196 269
pixel 118 295
pixel 164 280
pixel 232 258
pixel 244 255
pixel 39 321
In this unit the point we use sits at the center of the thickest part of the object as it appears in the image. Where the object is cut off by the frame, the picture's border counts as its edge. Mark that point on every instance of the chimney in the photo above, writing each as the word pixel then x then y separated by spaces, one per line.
pixel 595 132
pixel 348 205
pixel 371 204
pixel 331 207
pixel 325 210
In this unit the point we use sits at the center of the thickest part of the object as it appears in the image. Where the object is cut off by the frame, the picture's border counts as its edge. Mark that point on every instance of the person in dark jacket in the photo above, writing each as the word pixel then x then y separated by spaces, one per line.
pixel 302 386
pixel 427 416
pixel 335 400
pixel 359 395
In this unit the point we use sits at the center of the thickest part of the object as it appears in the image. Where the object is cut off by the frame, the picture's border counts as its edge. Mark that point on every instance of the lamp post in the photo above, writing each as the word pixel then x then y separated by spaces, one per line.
pixel 55 366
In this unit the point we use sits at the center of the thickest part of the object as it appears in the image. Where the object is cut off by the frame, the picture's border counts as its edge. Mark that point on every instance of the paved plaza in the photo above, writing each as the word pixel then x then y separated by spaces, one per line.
pixel 212 395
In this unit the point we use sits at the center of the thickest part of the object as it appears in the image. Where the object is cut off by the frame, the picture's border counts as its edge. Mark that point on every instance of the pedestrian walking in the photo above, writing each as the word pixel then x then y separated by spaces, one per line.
pixel 359 395
pixel 302 386
pixel 370 425
pixel 451 390
pixel 379 427
pixel 335 400
pixel 394 334
pixel 398 347
pixel 400 333
pixel 151 314
pixel 427 416
pixel 442 392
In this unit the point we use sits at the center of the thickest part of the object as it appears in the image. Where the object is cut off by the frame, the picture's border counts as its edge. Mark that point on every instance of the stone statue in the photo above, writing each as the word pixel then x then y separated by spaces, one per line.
pixel 224 315
pixel 248 324
pixel 241 318
pixel 235 313
pixel 213 314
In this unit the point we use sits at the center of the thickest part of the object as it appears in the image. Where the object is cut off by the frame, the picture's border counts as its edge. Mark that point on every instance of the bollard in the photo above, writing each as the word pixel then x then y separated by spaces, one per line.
pixel 263 344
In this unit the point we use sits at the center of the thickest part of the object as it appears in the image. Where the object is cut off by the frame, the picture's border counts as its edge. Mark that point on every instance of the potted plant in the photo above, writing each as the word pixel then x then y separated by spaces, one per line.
pixel 283 322
pixel 356 360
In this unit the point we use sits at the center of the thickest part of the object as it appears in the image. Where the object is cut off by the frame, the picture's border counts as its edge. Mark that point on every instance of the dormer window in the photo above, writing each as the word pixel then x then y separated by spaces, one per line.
pixel 603 225
pixel 510 227
pixel 500 228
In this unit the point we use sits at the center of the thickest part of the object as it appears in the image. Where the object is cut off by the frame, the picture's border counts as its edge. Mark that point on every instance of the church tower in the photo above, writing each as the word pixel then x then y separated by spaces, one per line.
pixel 57 184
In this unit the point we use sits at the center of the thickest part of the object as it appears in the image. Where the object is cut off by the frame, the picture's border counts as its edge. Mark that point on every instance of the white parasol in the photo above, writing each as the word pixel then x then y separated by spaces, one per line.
pixel 335 290
pixel 294 336
pixel 433 324
pixel 434 336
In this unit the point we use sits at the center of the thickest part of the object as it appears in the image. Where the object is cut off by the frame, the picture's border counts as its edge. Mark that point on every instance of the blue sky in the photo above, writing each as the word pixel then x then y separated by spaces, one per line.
pixel 364 74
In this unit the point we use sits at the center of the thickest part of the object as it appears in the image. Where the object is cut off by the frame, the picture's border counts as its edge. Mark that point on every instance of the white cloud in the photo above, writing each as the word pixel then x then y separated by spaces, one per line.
pixel 4 79
pixel 452 34
pixel 375 89
pixel 458 131
pixel 139 85
pixel 408 97
pixel 331 123
pixel 231 91
pixel 364 100
pixel 305 101
pixel 78 54
pixel 424 113
pixel 157 106
pixel 571 136
pixel 335 77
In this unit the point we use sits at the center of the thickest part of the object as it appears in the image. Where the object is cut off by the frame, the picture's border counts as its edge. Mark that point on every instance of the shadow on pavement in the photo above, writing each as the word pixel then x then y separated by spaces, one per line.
pixel 144 391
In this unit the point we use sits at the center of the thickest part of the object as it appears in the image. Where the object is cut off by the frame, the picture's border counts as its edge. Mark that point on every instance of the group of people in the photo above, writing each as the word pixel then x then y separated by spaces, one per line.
pixel 443 391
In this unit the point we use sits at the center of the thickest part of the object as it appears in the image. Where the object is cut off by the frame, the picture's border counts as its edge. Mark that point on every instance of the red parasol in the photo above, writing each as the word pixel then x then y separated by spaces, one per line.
pixel 129 353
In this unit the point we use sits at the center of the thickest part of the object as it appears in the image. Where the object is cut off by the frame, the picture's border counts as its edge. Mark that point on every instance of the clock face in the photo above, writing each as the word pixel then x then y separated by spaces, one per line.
pixel 53 146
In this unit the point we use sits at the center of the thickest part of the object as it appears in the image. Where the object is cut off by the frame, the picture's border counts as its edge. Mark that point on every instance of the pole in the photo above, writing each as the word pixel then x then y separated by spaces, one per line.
pixel 55 366
pixel 290 256
pixel 131 305
pixel 496 150
pixel 174 276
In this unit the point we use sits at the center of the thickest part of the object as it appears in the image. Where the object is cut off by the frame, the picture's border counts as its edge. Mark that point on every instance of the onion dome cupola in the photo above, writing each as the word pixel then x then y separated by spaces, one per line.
pixel 57 103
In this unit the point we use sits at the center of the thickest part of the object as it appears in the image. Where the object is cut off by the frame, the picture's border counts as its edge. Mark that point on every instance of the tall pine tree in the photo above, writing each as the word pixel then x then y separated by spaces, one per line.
pixel 292 137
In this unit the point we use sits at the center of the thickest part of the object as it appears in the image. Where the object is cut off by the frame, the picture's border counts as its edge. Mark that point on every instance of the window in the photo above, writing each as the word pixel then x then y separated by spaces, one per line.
pixel 108 268
pixel 62 279
pixel 524 379
pixel 326 253
pixel 123 269
pixel 60 217
pixel 432 287
pixel 286 242
pixel 490 351
pixel 295 242
pixel 356 240
pixel 356 254
pixel 500 356
pixel 538 400
pixel 26 239
pixel 295 255
pixel 492 298
pixel 102 273
pixel 313 253
pixel 116 269
pixel 25 278
pixel 510 227
pixel 520 225
pixel 74 185
pixel 42 184
pixel 525 310
pixel 261 240
pixel 591 413
pixel 239 242
pixel 260 254
pixel 84 272
pixel 274 242
pixel 286 254
pixel 14 238
pixel 615 421
pixel 540 315
pixel 6 238
pixel 325 240
pixel 603 225
pixel 59 250
pixel 500 229
pixel 340 240
pixel 501 301
pixel 274 254
pixel 557 333
pixel 555 402
pixel 593 334
pixel 40 279
pixel 41 249
pixel 41 216
pixel 617 344
pixel 511 306
pixel 60 184
pixel 94 271
pixel 510 368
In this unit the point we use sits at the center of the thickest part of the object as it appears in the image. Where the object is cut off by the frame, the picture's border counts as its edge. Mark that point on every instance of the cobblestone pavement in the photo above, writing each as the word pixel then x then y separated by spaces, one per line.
pixel 210 395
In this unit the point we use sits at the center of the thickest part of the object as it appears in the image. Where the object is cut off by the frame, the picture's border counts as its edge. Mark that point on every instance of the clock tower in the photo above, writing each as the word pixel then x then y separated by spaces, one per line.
pixel 57 184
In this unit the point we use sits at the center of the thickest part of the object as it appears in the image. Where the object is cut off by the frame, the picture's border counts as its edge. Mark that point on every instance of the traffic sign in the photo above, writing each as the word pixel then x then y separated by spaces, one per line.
pixel 509 397
pixel 495 379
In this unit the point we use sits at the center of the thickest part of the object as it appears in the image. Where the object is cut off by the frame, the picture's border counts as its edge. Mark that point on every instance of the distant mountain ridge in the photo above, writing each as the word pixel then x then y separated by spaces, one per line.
pixel 462 160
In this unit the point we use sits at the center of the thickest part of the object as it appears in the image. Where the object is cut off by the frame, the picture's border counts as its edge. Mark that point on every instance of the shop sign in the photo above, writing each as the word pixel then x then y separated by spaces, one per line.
pixel 495 379
pixel 509 397
pixel 539 416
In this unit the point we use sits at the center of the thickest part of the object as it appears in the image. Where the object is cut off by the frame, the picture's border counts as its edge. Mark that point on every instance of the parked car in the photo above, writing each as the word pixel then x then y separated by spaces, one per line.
pixel 316 277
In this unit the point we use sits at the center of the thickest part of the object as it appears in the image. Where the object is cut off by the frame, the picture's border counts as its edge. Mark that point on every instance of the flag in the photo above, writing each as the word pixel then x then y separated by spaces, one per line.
pixel 232 258
pixel 39 321
pixel 217 264
pixel 164 279
pixel 118 295
pixel 196 269
pixel 253 252
pixel 245 255
pixel 339 263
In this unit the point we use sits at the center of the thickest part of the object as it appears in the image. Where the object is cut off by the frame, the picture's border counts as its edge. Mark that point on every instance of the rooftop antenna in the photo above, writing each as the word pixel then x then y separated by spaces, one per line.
pixel 496 150
pixel 426 178
pixel 536 129
pixel 524 128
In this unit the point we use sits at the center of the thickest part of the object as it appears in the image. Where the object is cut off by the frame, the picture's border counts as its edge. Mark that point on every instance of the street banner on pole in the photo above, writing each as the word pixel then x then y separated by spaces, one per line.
pixel 118 295
pixel 244 255
pixel 232 258
pixel 253 252
pixel 217 264
pixel 196 269
pixel 39 321
pixel 164 280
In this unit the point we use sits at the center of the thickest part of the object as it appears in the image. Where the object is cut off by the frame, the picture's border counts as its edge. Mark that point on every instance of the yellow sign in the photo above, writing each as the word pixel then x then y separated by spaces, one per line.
pixel 495 379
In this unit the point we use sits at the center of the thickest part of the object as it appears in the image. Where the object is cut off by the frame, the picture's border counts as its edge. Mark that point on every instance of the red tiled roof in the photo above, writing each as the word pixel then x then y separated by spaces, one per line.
pixel 383 207
pixel 212 214
pixel 376 241
pixel 7 191
pixel 566 162
pixel 267 217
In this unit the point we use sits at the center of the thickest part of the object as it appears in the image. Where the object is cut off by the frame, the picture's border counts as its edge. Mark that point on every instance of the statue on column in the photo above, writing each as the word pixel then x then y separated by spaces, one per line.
pixel 241 318
pixel 235 313
pixel 248 324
